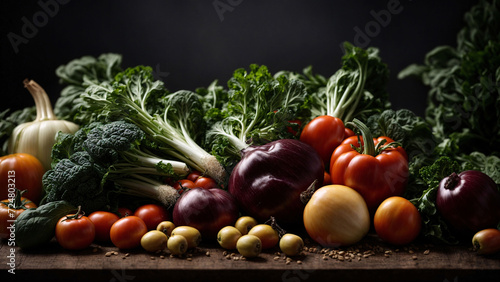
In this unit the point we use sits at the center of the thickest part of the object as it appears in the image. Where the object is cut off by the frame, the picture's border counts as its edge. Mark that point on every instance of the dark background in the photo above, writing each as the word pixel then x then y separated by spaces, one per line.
pixel 191 43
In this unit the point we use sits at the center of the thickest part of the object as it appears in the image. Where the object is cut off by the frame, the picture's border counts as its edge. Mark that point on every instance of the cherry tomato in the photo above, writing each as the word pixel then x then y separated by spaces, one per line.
pixel 205 182
pixel 397 221
pixel 327 179
pixel 21 171
pixel 123 212
pixel 126 233
pixel 348 133
pixel 152 215
pixel 267 235
pixel 182 185
pixel 324 134
pixel 154 241
pixel 245 223
pixel 249 246
pixel 194 175
pixel 10 209
pixel 486 241
pixel 103 221
pixel 75 231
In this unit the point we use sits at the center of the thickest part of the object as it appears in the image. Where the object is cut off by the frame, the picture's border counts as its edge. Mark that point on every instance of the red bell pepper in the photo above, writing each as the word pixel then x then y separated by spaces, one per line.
pixel 377 169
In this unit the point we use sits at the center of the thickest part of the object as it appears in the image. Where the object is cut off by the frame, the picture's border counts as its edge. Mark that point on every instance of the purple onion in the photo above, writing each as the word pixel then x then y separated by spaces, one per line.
pixel 269 179
pixel 469 201
pixel 207 210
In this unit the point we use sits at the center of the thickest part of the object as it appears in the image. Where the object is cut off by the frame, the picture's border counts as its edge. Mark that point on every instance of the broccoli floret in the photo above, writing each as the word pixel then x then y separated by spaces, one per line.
pixel 104 143
pixel 78 181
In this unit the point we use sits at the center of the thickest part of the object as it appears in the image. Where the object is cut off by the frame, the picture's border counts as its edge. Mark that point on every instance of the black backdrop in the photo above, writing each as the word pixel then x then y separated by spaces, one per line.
pixel 191 43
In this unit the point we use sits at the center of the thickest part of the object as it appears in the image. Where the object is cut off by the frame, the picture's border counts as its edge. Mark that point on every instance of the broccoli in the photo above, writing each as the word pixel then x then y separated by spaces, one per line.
pixel 78 181
pixel 101 161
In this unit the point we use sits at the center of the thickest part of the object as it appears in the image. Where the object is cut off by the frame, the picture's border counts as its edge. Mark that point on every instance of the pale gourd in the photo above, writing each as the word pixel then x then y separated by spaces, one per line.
pixel 37 137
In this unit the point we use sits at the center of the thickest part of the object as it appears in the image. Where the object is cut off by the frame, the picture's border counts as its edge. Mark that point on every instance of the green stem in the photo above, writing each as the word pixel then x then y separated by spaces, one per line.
pixel 368 147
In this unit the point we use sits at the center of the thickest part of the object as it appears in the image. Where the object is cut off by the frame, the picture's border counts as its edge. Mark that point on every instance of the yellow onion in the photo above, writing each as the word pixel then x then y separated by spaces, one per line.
pixel 336 215
pixel 37 137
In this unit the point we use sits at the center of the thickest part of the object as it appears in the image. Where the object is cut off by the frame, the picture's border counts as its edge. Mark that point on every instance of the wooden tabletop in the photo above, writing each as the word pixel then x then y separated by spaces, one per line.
pixel 369 260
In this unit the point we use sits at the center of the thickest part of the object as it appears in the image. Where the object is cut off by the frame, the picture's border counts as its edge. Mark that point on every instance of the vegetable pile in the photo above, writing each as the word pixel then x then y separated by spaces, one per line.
pixel 232 162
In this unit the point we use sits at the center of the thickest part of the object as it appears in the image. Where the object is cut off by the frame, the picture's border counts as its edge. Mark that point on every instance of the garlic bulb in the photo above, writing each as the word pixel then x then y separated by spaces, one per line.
pixel 38 137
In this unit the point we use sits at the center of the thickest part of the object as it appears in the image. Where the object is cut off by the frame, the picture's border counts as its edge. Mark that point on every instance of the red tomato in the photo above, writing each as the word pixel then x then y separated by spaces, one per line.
pixel 183 184
pixel 348 133
pixel 194 175
pixel 152 215
pixel 75 231
pixel 123 212
pixel 21 171
pixel 127 232
pixel 327 180
pixel 205 182
pixel 376 177
pixel 103 221
pixel 324 134
pixel 397 221
pixel 10 209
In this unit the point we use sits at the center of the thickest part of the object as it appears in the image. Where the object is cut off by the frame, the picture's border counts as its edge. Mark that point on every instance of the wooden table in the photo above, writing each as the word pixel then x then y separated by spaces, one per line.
pixel 371 260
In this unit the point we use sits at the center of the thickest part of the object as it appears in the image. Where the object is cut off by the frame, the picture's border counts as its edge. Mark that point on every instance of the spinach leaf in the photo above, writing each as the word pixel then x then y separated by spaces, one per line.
pixel 35 227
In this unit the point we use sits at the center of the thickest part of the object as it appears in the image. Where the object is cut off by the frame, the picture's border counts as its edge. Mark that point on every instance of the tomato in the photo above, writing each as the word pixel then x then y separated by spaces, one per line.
pixel 194 175
pixel 376 172
pixel 327 180
pixel 348 133
pixel 126 233
pixel 21 171
pixel 152 215
pixel 10 209
pixel 75 231
pixel 486 241
pixel 397 221
pixel 267 235
pixel 182 185
pixel 205 182
pixel 103 221
pixel 324 134
pixel 123 212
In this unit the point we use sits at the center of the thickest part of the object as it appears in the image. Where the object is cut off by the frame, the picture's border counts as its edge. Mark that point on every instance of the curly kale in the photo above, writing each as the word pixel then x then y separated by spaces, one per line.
pixel 77 180
pixel 101 161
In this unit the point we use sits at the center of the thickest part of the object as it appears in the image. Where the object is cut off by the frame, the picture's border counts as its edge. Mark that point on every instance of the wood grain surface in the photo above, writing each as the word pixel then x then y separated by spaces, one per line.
pixel 369 260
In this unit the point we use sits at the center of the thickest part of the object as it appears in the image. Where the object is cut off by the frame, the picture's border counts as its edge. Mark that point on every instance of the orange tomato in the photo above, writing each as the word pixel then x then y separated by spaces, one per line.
pixel 21 171
pixel 397 221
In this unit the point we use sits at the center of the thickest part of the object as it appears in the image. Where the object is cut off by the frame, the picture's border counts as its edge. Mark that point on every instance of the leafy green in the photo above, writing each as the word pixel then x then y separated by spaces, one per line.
pixel 36 226
pixel 257 110
pixel 356 90
pixel 9 122
pixel 102 161
pixel 76 74
pixel 464 97
pixel 172 121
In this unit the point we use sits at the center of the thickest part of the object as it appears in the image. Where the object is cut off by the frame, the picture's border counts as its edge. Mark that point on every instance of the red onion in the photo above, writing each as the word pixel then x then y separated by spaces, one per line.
pixel 469 201
pixel 269 179
pixel 207 210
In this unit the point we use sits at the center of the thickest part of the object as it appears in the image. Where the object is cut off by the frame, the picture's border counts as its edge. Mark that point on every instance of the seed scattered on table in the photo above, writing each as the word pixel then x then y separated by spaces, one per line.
pixel 426 252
